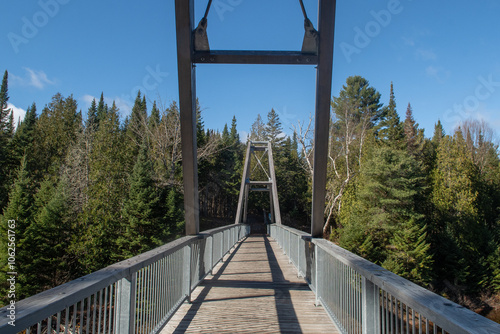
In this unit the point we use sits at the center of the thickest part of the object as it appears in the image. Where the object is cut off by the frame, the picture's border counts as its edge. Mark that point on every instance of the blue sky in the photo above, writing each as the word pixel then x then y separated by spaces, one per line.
pixel 443 57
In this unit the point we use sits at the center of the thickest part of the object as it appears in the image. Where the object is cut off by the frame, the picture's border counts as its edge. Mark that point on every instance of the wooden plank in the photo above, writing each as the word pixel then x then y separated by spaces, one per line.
pixel 254 57
pixel 255 290
pixel 184 17
pixel 326 24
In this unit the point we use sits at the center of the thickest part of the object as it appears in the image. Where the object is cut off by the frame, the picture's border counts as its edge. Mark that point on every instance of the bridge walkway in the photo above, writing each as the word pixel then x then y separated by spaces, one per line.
pixel 255 290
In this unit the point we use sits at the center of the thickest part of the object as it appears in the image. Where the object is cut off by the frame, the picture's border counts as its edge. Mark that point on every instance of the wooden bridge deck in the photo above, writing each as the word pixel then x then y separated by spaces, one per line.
pixel 255 290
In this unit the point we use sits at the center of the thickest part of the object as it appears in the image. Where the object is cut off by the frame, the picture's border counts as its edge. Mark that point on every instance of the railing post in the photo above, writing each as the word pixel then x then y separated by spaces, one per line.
pixel 369 307
pixel 125 305
pixel 211 237
pixel 318 273
pixel 186 270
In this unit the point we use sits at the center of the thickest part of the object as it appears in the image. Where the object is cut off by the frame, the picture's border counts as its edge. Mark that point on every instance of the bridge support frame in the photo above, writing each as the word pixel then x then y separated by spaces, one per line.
pixel 270 183
pixel 187 57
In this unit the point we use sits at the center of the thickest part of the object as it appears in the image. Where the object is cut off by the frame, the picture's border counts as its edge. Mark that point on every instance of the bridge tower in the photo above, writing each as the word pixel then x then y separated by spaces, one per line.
pixel 248 183
pixel 193 48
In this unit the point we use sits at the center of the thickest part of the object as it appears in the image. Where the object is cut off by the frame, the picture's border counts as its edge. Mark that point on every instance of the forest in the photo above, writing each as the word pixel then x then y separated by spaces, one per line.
pixel 86 192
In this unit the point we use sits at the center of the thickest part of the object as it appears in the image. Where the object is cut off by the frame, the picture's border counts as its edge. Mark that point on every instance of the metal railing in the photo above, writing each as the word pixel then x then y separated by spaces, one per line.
pixel 138 295
pixel 362 297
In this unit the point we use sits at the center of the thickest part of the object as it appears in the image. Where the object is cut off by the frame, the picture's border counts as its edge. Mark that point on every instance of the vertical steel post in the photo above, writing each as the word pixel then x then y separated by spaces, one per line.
pixel 244 176
pixel 369 307
pixel 326 27
pixel 184 17
pixel 274 188
pixel 186 272
pixel 125 305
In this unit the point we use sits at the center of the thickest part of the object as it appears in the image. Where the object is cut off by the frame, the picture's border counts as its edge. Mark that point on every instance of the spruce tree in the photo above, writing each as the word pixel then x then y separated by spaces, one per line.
pixel 100 223
pixel 461 236
pixel 141 211
pixel 48 238
pixel 102 109
pixel 20 211
pixel 383 216
pixel 391 129
pixel 92 119
pixel 5 138
pixel 273 131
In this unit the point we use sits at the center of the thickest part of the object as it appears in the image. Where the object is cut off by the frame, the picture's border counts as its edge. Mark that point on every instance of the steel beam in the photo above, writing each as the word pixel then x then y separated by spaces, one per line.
pixel 255 57
pixel 326 27
pixel 184 17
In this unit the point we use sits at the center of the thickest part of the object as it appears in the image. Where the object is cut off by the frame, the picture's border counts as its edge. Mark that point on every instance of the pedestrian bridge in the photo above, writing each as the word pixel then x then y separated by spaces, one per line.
pixel 229 281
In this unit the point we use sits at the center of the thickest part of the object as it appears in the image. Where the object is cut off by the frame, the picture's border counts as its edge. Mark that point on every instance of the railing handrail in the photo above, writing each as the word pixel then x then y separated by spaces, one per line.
pixel 454 317
pixel 46 303
pixel 451 316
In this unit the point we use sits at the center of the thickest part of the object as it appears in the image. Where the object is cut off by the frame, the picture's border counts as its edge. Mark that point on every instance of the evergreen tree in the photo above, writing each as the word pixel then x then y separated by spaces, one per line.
pixel 235 137
pixel 154 119
pixel 460 236
pixel 356 115
pixel 56 130
pixel 273 132
pixel 48 238
pixel 383 217
pixel 391 129
pixel 410 127
pixel 438 133
pixel 100 223
pixel 102 109
pixel 258 130
pixel 22 142
pixel 141 211
pixel 5 138
pixel 19 211
pixel 92 118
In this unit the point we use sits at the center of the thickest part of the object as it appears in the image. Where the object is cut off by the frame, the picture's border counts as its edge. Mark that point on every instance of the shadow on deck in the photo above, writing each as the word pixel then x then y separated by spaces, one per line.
pixel 255 290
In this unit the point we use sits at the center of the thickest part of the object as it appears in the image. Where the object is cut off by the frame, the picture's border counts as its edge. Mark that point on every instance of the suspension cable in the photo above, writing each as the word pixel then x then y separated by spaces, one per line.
pixel 303 9
pixel 208 9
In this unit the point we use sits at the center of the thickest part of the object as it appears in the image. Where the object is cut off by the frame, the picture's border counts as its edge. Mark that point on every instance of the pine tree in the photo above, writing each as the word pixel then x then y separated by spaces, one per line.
pixel 356 114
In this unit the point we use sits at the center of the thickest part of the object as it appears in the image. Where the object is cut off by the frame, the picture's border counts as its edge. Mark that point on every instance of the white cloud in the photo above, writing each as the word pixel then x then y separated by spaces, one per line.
pixel 426 54
pixel 34 78
pixel 438 73
pixel 19 113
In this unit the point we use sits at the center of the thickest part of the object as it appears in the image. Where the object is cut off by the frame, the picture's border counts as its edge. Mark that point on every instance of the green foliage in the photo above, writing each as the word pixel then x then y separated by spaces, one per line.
pixel 6 132
pixel 143 228
pixel 391 130
pixel 384 216
pixel 20 210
